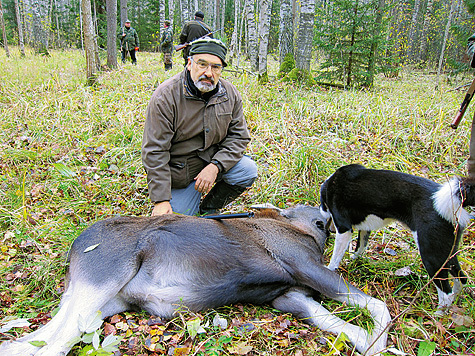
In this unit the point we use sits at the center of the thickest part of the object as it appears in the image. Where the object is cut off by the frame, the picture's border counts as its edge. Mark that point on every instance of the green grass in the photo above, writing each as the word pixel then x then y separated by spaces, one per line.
pixel 70 156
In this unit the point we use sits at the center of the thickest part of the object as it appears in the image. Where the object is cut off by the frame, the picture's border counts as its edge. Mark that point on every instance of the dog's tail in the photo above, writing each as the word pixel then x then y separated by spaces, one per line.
pixel 450 199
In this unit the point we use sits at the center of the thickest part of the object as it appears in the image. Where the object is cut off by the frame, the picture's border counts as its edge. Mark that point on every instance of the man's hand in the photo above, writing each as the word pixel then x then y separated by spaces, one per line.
pixel 161 208
pixel 206 178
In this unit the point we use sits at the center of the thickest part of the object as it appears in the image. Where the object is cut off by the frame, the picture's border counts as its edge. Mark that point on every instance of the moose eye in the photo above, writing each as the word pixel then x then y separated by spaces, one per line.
pixel 320 225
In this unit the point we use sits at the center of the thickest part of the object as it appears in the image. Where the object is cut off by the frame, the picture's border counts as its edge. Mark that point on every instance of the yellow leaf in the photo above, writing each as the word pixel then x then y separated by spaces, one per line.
pixel 181 351
pixel 241 348
pixel 156 332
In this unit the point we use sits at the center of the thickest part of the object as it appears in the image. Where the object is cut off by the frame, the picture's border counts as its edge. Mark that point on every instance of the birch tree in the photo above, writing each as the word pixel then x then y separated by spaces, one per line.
pixel 39 14
pixel 411 38
pixel 123 12
pixel 89 42
pixel 111 8
pixel 252 48
pixel 305 35
pixel 234 37
pixel 185 11
pixel 444 43
pixel 2 25
pixel 425 32
pixel 286 30
pixel 20 29
pixel 264 25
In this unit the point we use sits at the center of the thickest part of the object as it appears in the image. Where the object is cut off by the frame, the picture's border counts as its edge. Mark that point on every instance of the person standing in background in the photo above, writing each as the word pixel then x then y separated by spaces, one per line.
pixel 166 45
pixel 192 30
pixel 129 42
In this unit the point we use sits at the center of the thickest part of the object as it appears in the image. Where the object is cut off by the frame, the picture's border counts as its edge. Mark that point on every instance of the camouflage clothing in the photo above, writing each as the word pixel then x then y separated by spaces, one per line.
pixel 166 42
pixel 130 40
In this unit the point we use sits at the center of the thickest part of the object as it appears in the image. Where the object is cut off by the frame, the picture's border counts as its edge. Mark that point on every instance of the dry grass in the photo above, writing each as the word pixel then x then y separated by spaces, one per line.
pixel 70 155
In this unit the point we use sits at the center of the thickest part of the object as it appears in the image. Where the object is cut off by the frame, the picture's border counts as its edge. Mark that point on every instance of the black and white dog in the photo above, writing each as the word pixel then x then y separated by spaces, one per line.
pixel 367 199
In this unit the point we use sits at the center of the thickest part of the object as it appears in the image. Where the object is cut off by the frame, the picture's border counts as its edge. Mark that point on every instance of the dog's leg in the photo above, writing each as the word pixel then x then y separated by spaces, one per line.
pixel 363 237
pixel 447 299
pixel 342 242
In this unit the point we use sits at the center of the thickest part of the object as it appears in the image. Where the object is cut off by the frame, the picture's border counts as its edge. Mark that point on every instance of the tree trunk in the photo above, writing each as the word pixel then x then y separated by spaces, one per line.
pixel 39 12
pixel 375 42
pixel 171 13
pixel 123 12
pixel 252 35
pixel 2 25
pixel 20 29
pixel 185 13
pixel 217 12
pixel 305 35
pixel 286 30
pixel 234 37
pixel 411 37
pixel 425 32
pixel 89 42
pixel 240 37
pixel 264 25
pixel 349 67
pixel 111 9
pixel 446 37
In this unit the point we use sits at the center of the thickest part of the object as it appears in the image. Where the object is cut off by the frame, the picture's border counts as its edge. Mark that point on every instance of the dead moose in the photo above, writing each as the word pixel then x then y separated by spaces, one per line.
pixel 162 263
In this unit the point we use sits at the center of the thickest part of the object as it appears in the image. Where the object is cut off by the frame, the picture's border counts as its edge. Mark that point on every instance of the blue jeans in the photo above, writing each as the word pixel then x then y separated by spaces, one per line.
pixel 187 200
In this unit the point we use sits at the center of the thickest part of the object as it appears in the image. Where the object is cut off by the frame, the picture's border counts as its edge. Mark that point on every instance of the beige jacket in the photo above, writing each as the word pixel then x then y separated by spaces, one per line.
pixel 184 133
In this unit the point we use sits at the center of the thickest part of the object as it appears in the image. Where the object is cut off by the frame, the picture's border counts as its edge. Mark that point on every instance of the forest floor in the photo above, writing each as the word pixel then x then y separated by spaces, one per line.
pixel 70 156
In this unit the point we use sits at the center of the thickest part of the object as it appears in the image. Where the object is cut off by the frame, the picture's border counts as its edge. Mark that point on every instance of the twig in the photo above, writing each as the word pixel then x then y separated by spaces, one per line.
pixel 460 87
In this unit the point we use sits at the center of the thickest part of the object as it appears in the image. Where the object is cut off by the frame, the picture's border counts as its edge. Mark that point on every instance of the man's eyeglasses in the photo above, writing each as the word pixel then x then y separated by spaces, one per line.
pixel 203 65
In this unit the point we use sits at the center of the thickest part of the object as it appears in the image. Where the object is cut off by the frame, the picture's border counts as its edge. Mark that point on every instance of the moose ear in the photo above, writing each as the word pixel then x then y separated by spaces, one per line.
pixel 265 206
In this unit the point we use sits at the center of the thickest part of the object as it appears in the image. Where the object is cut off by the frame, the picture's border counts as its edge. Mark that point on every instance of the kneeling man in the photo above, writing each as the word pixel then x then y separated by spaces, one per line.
pixel 194 137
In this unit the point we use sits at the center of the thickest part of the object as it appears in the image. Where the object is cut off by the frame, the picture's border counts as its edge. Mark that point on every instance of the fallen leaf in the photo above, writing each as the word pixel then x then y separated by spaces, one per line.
pixel 241 348
pixel 90 248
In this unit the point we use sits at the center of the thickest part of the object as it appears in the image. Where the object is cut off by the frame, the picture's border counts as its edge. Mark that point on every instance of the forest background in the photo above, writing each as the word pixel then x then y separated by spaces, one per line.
pixel 324 83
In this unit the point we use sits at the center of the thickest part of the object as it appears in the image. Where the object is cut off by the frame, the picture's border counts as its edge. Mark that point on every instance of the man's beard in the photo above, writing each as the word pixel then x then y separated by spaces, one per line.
pixel 205 84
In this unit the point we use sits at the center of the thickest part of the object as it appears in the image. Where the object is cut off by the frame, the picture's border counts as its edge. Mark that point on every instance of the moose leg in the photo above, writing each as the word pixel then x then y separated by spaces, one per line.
pixel 297 302
pixel 334 286
pixel 342 242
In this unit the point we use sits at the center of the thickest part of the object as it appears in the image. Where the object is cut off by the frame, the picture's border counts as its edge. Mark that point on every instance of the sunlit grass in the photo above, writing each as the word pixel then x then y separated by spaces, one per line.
pixel 70 155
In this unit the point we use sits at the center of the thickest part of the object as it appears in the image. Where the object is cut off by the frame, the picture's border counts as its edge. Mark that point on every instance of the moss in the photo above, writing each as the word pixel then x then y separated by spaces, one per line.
pixel 301 76
pixel 287 65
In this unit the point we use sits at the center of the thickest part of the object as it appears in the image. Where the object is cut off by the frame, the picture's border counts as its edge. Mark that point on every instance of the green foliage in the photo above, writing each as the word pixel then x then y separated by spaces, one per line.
pixel 348 36
pixel 70 156
pixel 470 5
pixel 287 65
pixel 301 76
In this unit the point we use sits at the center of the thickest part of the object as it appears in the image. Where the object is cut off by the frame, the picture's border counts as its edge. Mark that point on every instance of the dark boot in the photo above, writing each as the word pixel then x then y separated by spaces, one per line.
pixel 219 196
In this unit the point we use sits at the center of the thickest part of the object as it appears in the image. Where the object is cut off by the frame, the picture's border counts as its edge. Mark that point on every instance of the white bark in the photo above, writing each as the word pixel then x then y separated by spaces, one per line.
pixel 20 28
pixel 89 41
pixel 264 26
pixel 303 51
pixel 425 31
pixel 286 30
pixel 251 34
pixel 446 37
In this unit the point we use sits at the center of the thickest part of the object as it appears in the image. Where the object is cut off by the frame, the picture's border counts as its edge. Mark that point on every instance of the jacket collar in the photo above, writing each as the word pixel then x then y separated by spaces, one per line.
pixel 219 96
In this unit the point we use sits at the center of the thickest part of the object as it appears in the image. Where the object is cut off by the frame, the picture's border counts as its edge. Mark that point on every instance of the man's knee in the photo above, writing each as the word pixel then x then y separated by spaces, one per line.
pixel 243 174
